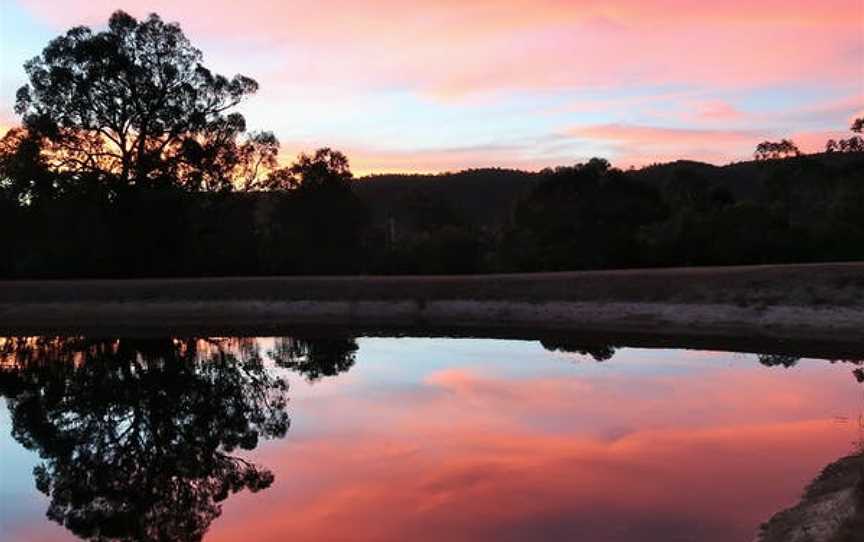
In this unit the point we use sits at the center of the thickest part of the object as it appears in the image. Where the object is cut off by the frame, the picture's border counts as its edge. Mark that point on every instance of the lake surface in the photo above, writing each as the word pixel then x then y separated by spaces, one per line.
pixel 392 439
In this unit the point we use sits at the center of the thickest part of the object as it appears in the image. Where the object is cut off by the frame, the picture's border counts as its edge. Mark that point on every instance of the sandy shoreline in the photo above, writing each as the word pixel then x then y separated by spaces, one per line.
pixel 821 302
pixel 774 322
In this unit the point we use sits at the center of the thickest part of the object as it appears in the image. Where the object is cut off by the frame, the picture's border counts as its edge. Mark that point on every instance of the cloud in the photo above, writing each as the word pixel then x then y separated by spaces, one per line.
pixel 717 111
pixel 330 70
pixel 640 145
pixel 613 456
pixel 453 48
pixel 529 154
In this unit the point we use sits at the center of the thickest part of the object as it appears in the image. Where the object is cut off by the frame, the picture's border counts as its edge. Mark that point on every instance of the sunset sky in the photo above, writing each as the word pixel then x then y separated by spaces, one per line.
pixel 435 85
pixel 466 440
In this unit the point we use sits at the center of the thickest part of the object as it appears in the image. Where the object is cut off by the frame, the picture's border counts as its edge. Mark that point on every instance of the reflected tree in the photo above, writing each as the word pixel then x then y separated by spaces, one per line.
pixel 858 373
pixel 788 361
pixel 602 352
pixel 774 360
pixel 137 437
pixel 315 358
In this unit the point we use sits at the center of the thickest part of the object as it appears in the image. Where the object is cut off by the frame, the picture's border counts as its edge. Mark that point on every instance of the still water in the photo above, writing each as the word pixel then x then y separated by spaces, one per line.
pixel 392 439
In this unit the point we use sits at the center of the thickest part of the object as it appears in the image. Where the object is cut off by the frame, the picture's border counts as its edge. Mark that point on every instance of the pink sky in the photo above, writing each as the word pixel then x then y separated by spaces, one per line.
pixel 434 85
pixel 442 439
pixel 473 455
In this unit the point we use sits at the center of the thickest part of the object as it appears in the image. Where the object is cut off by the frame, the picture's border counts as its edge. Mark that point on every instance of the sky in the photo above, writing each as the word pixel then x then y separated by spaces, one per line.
pixel 472 439
pixel 443 85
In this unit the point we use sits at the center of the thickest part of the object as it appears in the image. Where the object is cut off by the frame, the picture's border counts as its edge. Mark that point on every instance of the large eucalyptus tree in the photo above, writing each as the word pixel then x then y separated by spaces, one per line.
pixel 134 106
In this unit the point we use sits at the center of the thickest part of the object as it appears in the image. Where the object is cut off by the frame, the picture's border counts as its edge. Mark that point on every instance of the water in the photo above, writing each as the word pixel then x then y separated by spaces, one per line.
pixel 344 438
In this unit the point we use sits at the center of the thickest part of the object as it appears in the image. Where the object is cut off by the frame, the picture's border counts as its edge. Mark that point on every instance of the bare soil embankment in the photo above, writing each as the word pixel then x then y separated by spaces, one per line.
pixel 831 510
pixel 817 302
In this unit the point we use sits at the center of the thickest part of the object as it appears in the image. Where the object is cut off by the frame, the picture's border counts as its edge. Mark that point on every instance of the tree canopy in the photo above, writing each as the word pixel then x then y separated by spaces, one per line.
pixel 134 105
pixel 138 438
pixel 770 150
pixel 852 144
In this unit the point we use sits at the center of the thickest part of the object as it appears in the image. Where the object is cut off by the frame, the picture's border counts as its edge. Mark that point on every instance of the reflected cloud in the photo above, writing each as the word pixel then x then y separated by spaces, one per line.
pixel 615 458
pixel 144 439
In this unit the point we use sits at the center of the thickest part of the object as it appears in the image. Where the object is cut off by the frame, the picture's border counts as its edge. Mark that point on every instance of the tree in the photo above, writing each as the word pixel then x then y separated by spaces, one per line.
pixel 134 106
pixel 853 144
pixel 318 222
pixel 315 357
pixel 137 437
pixel 768 150
pixel 600 352
pixel 24 175
pixel 581 217
pixel 325 167
pixel 776 360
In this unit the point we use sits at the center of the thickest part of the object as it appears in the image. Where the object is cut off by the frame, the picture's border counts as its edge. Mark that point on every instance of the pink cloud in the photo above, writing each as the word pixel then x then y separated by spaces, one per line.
pixel 641 145
pixel 452 48
pixel 717 111
pixel 473 457
pixel 342 52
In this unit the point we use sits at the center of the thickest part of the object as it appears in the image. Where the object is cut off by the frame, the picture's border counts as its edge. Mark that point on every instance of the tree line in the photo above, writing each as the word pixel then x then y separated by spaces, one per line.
pixel 132 161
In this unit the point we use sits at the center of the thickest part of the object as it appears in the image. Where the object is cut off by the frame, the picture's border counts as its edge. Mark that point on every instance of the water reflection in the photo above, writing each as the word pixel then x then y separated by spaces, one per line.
pixel 145 439
pixel 600 352
pixel 315 357
pixel 832 505
pixel 139 438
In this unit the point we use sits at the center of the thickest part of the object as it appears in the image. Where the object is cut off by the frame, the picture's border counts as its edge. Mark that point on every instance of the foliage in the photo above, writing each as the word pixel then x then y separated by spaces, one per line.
pixel 134 106
pixel 581 217
pixel 769 150
pixel 852 144
pixel 130 162
pixel 139 437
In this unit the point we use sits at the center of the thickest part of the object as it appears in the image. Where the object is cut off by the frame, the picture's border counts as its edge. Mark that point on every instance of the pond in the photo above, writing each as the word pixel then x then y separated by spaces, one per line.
pixel 389 439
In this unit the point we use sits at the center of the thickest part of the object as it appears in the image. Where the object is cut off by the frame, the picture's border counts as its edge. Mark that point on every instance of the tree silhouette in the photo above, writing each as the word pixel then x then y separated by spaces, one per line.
pixel 134 106
pixel 136 436
pixel 581 217
pixel 324 168
pixel 852 144
pixel 600 352
pixel 24 174
pixel 318 216
pixel 768 150
pixel 775 360
pixel 315 358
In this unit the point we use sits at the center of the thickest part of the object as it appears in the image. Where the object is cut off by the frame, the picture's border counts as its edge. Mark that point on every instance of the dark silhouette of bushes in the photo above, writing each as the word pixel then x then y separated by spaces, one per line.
pixel 589 216
pixel 129 162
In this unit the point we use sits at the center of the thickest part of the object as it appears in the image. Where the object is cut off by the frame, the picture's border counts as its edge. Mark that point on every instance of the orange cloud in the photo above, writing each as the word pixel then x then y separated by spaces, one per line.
pixel 606 457
pixel 528 155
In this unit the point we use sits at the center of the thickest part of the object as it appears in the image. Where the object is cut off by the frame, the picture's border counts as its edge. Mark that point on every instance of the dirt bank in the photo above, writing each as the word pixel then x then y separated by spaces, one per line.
pixel 831 510
pixel 823 302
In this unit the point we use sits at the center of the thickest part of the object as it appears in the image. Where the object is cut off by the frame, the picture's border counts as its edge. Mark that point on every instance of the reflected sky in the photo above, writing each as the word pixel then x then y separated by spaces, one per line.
pixel 445 439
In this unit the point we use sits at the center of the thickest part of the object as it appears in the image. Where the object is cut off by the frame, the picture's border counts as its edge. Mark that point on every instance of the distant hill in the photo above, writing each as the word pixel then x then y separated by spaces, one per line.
pixel 485 197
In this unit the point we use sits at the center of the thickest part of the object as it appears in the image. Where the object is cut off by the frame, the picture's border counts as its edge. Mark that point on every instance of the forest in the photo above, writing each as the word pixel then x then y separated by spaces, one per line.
pixel 129 162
